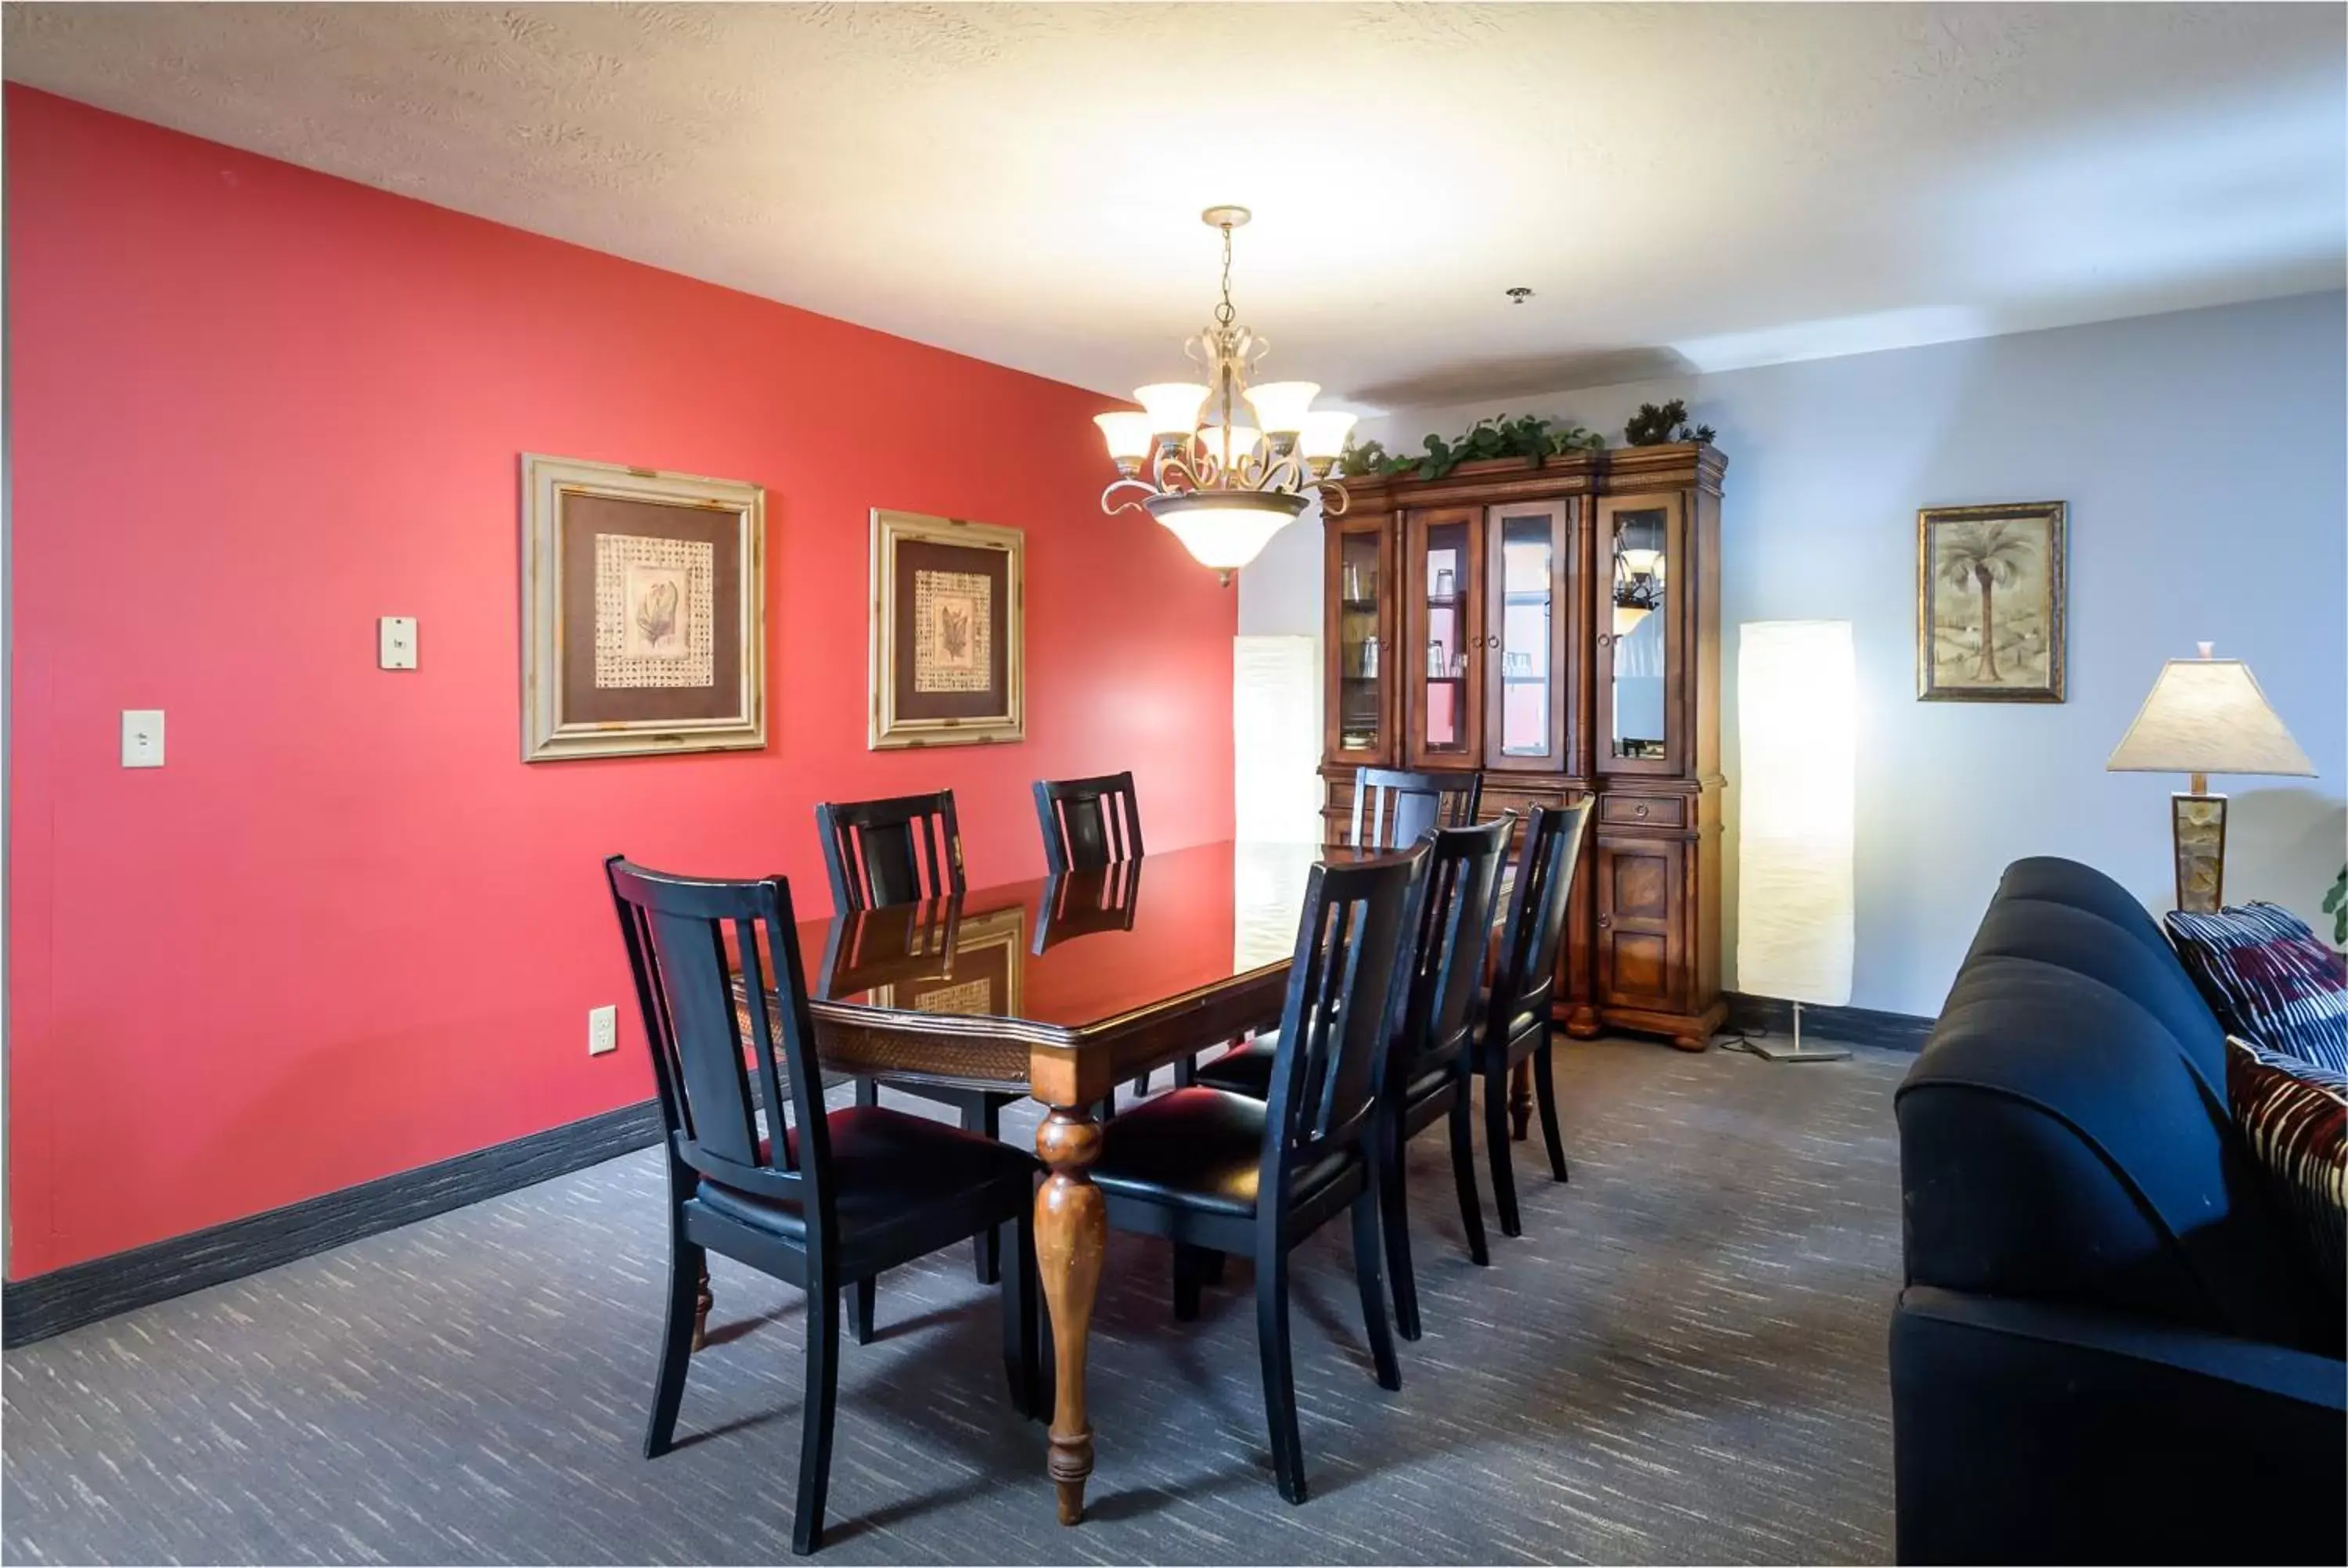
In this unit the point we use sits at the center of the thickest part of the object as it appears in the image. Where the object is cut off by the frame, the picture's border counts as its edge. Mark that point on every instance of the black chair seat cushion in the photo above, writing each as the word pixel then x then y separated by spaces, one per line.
pixel 1248 1071
pixel 1201 1149
pixel 1244 1070
pixel 1520 1022
pixel 889 1168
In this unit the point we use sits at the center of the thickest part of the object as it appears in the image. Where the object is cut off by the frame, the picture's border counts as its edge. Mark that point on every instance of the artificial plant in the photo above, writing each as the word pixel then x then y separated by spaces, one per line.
pixel 1654 424
pixel 1531 437
pixel 2335 904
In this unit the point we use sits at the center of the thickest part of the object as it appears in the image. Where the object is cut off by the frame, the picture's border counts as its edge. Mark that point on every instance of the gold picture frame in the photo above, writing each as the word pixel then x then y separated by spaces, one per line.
pixel 949 617
pixel 644 623
pixel 1991 594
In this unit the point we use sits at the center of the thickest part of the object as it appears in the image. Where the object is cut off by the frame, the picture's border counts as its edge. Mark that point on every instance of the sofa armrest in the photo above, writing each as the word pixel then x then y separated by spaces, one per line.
pixel 2034 1432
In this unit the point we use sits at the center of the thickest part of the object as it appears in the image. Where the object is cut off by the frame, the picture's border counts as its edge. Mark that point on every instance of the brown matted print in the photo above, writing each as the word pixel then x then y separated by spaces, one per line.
pixel 643 618
pixel 948 625
pixel 1990 593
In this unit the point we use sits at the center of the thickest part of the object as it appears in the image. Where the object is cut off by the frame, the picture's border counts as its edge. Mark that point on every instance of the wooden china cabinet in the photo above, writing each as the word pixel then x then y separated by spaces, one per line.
pixel 1558 628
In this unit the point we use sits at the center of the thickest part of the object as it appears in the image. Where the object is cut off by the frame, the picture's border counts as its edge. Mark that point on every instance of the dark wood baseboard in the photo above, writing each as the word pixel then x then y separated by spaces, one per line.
pixel 83 1293
pixel 1844 1026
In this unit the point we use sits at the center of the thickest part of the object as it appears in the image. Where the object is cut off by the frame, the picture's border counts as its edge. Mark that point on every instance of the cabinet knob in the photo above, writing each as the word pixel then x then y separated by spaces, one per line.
pixel 1639 811
pixel 1605 920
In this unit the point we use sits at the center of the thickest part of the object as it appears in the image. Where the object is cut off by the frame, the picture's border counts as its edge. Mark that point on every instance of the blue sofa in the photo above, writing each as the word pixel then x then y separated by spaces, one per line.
pixel 2108 1348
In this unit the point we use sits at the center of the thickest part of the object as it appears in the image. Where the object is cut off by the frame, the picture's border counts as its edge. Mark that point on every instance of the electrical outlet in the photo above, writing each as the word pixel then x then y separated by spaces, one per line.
pixel 602 1030
pixel 396 641
pixel 142 737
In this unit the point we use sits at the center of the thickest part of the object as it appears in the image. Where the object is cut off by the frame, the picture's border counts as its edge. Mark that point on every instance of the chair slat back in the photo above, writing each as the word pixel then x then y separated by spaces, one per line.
pixel 1088 823
pixel 1339 1014
pixel 1447 950
pixel 894 851
pixel 1393 808
pixel 1537 908
pixel 677 929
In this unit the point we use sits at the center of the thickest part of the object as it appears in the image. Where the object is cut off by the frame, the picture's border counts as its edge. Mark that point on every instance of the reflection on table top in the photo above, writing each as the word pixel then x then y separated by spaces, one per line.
pixel 1076 950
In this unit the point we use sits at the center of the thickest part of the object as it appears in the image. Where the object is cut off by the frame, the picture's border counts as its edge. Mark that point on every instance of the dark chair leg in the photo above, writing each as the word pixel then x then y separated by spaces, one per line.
pixel 1396 1211
pixel 1186 1071
pixel 868 1092
pixel 820 1397
pixel 1374 1294
pixel 984 1117
pixel 863 1297
pixel 1188 1266
pixel 1496 1149
pixel 1279 1373
pixel 1210 1265
pixel 1463 1172
pixel 686 1262
pixel 1545 1092
pixel 1140 1086
pixel 1020 1310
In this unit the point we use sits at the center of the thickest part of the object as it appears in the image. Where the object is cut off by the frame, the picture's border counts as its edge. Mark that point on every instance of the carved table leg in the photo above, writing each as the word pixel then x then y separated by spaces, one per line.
pixel 1071 1232
pixel 1520 1099
pixel 701 1307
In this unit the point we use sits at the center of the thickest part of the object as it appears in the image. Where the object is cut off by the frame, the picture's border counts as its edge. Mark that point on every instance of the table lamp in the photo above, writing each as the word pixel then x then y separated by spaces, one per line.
pixel 1796 725
pixel 2205 716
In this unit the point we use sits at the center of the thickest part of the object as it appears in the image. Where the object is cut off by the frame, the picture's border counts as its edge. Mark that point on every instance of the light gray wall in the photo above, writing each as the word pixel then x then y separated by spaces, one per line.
pixel 2202 457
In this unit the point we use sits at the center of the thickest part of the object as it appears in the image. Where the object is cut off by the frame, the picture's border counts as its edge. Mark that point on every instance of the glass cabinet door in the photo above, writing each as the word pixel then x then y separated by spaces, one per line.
pixel 1357 706
pixel 1640 563
pixel 1447 680
pixel 1530 572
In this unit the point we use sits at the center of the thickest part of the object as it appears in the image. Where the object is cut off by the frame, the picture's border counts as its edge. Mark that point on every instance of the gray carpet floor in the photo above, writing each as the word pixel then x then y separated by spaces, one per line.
pixel 1682 1361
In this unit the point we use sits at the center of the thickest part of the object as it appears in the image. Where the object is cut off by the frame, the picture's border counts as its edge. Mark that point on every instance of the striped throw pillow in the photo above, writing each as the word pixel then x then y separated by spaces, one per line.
pixel 2295 1116
pixel 2269 980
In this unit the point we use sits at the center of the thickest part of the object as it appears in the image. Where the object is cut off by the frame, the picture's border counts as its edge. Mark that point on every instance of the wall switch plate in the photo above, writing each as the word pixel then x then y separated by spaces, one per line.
pixel 396 641
pixel 142 737
pixel 602 1030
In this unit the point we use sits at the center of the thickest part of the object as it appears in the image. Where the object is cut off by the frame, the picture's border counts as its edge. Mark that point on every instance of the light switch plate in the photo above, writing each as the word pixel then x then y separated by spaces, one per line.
pixel 602 1030
pixel 142 737
pixel 395 638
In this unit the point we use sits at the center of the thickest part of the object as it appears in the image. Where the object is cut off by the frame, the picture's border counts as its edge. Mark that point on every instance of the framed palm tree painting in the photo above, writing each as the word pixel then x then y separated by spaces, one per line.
pixel 1988 603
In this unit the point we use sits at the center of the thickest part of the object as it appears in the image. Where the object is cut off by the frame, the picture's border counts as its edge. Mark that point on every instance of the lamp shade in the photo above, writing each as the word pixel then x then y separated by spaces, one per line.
pixel 1796 701
pixel 2208 716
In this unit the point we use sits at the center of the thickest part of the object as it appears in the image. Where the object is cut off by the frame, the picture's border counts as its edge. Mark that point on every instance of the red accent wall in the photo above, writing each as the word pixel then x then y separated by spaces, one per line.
pixel 345 931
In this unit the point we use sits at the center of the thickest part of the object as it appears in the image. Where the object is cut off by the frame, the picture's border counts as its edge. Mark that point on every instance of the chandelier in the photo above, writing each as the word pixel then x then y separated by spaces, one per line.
pixel 1223 486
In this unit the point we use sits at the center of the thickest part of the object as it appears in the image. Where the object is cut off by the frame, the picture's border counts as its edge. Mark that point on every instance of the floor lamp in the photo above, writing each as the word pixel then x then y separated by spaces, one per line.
pixel 1796 701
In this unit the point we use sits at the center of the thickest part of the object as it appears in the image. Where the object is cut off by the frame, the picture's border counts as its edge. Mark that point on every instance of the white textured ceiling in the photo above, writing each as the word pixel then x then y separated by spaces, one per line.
pixel 1681 185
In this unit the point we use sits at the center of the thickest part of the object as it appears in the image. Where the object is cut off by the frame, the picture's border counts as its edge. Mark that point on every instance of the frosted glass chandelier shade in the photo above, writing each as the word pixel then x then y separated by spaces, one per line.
pixel 1323 437
pixel 1281 406
pixel 1225 530
pixel 1797 710
pixel 1172 405
pixel 1128 434
pixel 2208 715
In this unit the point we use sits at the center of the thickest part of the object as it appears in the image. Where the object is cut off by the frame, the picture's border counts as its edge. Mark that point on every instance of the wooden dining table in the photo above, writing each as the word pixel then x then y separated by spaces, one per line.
pixel 1061 988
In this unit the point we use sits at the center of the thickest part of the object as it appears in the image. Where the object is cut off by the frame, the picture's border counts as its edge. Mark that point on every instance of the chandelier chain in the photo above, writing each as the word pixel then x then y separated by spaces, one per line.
pixel 1224 313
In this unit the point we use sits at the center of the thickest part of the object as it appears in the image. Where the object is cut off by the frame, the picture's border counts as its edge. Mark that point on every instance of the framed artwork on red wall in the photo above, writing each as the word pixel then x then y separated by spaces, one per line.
pixel 643 611
pixel 948 614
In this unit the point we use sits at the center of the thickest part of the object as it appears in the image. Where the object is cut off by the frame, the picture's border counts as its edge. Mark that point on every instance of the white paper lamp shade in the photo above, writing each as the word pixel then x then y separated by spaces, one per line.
pixel 1796 701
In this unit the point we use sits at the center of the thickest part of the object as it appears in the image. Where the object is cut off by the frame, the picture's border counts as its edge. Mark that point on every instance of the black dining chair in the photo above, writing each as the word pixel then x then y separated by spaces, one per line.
pixel 1217 1173
pixel 1429 1078
pixel 817 1200
pixel 1391 808
pixel 897 851
pixel 1089 823
pixel 1516 1022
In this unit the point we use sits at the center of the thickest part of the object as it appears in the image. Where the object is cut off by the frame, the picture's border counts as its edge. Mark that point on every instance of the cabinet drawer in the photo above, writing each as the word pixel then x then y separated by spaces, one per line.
pixel 1642 810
